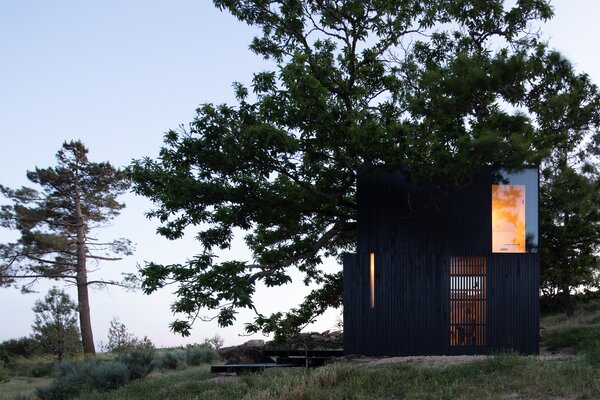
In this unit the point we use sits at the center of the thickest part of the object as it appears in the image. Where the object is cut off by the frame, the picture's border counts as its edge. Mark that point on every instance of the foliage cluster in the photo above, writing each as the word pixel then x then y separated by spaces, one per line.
pixel 505 375
pixel 56 222
pixel 177 359
pixel 171 360
pixel 21 347
pixel 140 362
pixel 73 378
pixel 433 89
pixel 215 342
pixel 198 355
pixel 33 366
pixel 55 327
pixel 4 376
pixel 121 340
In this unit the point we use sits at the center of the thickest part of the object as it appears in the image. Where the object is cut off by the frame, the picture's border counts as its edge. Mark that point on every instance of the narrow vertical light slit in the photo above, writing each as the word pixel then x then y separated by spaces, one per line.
pixel 372 278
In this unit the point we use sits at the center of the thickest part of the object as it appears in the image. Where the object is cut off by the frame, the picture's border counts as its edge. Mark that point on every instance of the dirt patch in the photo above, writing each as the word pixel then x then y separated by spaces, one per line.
pixel 224 378
pixel 438 361
pixel 428 361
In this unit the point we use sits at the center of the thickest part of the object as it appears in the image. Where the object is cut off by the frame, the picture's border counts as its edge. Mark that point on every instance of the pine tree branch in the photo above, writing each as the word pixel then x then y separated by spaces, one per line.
pixel 89 255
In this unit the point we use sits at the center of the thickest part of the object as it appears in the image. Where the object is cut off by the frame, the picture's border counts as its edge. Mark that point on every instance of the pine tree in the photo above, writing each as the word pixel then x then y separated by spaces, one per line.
pixel 55 325
pixel 77 197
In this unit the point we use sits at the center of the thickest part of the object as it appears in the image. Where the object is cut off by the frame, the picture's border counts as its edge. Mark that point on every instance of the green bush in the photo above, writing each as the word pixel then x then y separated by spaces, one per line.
pixel 15 348
pixel 34 366
pixel 139 362
pixel 201 355
pixel 57 391
pixel 109 375
pixel 73 368
pixel 579 337
pixel 592 353
pixel 3 373
pixel 173 359
pixel 70 379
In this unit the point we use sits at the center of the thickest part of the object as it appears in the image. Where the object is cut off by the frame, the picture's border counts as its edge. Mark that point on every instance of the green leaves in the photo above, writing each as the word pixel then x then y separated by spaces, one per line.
pixel 55 224
pixel 424 87
pixel 55 324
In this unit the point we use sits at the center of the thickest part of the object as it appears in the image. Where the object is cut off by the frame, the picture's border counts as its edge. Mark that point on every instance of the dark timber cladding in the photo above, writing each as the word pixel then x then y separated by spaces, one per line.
pixel 425 278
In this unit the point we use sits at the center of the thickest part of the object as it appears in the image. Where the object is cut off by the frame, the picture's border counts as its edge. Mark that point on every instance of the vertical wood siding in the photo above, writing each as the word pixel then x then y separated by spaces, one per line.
pixel 414 233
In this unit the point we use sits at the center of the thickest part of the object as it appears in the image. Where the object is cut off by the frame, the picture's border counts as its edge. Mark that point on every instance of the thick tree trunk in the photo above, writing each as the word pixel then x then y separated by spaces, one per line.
pixel 566 293
pixel 566 298
pixel 85 322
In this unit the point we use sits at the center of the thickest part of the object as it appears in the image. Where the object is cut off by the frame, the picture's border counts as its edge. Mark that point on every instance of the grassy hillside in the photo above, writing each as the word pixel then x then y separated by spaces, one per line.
pixel 504 376
pixel 569 369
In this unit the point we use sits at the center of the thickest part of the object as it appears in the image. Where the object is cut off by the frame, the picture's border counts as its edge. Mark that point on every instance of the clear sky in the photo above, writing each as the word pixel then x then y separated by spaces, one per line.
pixel 117 75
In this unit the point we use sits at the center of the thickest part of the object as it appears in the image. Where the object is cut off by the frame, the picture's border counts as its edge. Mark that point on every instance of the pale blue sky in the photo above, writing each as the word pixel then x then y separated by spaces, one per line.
pixel 117 74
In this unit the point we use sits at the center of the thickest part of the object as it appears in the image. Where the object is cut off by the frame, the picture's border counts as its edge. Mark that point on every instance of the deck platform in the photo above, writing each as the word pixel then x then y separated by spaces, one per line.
pixel 236 368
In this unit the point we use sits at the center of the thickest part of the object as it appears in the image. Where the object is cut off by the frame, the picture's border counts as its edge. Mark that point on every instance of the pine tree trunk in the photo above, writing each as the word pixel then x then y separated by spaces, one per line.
pixel 85 322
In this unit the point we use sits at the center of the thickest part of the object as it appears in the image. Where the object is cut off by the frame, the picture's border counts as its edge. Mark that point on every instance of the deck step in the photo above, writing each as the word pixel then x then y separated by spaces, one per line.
pixel 303 353
pixel 234 368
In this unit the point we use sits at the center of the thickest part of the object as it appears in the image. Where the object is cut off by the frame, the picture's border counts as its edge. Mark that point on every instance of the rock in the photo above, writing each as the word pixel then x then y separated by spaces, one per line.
pixel 255 343
pixel 312 341
pixel 245 354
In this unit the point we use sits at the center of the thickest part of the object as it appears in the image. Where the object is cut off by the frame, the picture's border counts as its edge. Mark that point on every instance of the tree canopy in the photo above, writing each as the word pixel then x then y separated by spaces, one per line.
pixel 434 89
pixel 55 226
pixel 55 324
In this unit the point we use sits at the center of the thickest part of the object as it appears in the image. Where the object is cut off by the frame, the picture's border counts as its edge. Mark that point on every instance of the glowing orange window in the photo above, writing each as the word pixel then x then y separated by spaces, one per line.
pixel 372 278
pixel 508 218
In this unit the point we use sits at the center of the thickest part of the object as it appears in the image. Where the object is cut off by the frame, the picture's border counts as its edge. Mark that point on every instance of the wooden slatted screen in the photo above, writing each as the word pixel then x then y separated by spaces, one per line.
pixel 468 301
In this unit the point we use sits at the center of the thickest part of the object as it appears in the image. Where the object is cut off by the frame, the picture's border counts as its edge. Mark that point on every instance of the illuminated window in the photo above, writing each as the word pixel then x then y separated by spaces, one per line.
pixel 467 301
pixel 372 278
pixel 508 219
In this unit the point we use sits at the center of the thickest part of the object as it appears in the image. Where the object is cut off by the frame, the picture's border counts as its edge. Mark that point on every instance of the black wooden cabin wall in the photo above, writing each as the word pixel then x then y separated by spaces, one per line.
pixel 412 305
pixel 396 216
pixel 414 232
pixel 513 302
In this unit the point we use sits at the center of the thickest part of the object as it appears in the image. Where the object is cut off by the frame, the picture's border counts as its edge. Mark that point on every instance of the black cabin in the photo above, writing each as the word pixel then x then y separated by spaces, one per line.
pixel 442 270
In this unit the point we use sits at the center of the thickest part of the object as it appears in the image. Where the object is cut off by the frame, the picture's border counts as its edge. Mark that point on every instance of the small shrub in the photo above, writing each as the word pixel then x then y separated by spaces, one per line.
pixel 15 348
pixel 34 366
pixel 59 390
pixel 109 375
pixel 3 373
pixel 579 337
pixel 120 340
pixel 70 379
pixel 198 355
pixel 331 375
pixel 139 362
pixel 72 367
pixel 42 369
pixel 215 342
pixel 174 359
pixel 592 353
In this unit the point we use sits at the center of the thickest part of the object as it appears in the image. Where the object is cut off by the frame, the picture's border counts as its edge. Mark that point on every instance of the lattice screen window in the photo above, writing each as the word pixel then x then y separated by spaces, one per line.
pixel 467 301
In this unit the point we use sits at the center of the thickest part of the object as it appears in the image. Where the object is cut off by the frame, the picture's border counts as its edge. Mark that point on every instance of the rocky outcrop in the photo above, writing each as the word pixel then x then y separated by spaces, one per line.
pixel 312 341
pixel 250 352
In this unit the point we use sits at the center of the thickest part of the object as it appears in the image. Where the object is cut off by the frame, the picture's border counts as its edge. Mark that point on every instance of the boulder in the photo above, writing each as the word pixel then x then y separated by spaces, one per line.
pixel 250 352
pixel 312 341
pixel 255 343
